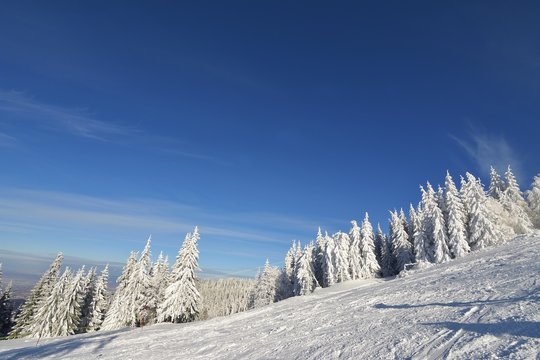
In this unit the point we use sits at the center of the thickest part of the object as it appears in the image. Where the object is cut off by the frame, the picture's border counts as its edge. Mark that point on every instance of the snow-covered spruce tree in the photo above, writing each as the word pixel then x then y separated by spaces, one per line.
pixel 533 199
pixel 414 224
pixel 388 262
pixel 455 220
pixel 6 308
pixel 422 240
pixel 355 253
pixel 222 297
pixel 329 262
pixel 288 275
pixel 88 299
pixel 403 218
pixel 370 266
pixel 141 289
pixel 513 202
pixel 483 231
pixel 182 298
pixel 160 277
pixel 341 256
pixel 379 243
pixel 100 301
pixel 69 317
pixel 25 319
pixel 266 286
pixel 439 238
pixel 320 244
pixel 46 318
pixel 401 247
pixel 119 312
pixel 305 282
pixel 496 185
pixel 441 202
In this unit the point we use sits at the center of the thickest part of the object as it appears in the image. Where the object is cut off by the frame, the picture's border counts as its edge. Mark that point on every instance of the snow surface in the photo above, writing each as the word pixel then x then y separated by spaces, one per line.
pixel 482 306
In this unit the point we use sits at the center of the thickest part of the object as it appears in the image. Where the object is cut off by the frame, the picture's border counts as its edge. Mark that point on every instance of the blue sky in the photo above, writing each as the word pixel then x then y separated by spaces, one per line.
pixel 257 121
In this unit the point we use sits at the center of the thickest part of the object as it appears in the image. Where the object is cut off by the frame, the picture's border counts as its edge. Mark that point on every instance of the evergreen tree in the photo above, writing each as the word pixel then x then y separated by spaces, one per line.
pixel 25 319
pixel 69 316
pixel 46 322
pixel 388 262
pixel 305 275
pixel 422 241
pixel 6 308
pixel 533 199
pixel 355 254
pixel 440 251
pixel 182 297
pixel 329 264
pixel 403 219
pixel 401 247
pixel 483 231
pixel 160 277
pixel 286 287
pixel 341 256
pixel 370 266
pixel 514 203
pixel 142 290
pixel 414 224
pixel 379 244
pixel 100 301
pixel 320 244
pixel 88 299
pixel 496 185
pixel 265 290
pixel 455 220
pixel 119 313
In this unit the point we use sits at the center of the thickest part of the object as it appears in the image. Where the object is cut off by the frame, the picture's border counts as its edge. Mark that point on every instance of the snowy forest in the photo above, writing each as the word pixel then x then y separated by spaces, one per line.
pixel 447 223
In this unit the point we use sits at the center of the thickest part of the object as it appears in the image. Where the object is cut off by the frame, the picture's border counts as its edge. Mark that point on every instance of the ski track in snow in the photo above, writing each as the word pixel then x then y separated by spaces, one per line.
pixel 482 306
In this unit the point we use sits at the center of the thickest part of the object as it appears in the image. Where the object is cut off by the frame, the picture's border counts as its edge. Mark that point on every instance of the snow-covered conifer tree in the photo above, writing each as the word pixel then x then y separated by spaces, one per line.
pixel 341 256
pixel 142 290
pixel 455 220
pixel 355 253
pixel 46 318
pixel 513 202
pixel 320 244
pixel 25 319
pixel 388 262
pixel 305 274
pixel 265 290
pixel 496 185
pixel 379 243
pixel 120 310
pixel 6 308
pixel 182 298
pixel 414 224
pixel 401 247
pixel 100 301
pixel 440 252
pixel 286 286
pixel 88 299
pixel 69 316
pixel 370 266
pixel 329 262
pixel 422 240
pixel 160 277
pixel 483 231
pixel 533 199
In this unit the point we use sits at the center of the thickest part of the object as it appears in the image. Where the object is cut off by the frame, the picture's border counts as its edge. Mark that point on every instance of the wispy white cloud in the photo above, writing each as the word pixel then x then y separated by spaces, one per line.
pixel 82 123
pixel 77 122
pixel 490 150
pixel 7 140
pixel 27 209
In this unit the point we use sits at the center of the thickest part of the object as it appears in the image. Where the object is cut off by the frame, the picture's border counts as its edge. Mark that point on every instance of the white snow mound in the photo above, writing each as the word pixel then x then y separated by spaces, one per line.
pixel 482 306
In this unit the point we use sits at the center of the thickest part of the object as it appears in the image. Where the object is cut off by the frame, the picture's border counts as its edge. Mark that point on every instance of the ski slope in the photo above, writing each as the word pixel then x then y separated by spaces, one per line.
pixel 482 306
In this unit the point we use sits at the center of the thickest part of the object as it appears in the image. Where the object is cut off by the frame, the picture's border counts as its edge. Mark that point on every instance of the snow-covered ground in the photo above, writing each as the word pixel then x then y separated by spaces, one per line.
pixel 482 306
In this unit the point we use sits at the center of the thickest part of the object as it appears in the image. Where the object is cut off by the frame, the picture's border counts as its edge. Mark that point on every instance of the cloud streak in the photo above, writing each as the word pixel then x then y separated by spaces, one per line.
pixel 81 123
pixel 490 150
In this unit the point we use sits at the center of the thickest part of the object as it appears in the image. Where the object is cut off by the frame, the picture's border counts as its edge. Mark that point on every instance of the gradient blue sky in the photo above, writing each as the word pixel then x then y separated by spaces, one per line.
pixel 256 120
